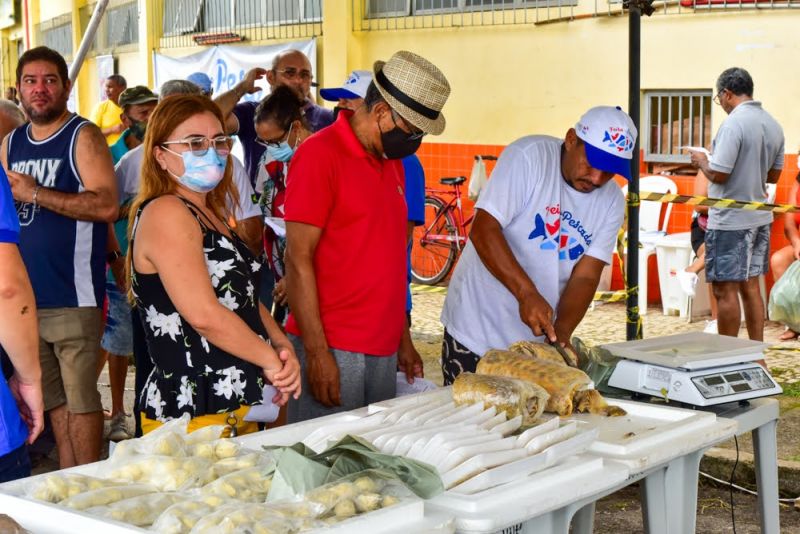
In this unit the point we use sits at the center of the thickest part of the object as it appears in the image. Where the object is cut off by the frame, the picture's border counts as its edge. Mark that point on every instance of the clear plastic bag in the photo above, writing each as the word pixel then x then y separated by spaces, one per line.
pixel 56 487
pixel 140 511
pixel 356 494
pixel 218 449
pixel 166 440
pixel 784 300
pixel 242 461
pixel 238 518
pixel 181 517
pixel 250 485
pixel 105 496
pixel 166 473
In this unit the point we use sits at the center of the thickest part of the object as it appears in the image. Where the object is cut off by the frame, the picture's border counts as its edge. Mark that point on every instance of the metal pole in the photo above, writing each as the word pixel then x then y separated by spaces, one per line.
pixel 88 37
pixel 634 63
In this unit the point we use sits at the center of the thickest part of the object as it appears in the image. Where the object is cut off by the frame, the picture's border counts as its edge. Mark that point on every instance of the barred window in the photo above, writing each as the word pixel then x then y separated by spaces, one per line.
pixel 674 119
pixel 59 38
pixel 400 8
pixel 191 16
pixel 122 26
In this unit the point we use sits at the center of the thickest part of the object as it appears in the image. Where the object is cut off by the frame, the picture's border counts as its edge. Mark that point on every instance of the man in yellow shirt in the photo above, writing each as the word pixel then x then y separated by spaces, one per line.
pixel 106 114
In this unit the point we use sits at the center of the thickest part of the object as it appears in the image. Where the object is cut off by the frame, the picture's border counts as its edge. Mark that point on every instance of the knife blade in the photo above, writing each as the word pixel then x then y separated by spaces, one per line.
pixel 564 354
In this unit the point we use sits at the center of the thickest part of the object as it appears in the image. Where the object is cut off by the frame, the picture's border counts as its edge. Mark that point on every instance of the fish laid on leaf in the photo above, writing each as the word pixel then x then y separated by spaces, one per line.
pixel 568 387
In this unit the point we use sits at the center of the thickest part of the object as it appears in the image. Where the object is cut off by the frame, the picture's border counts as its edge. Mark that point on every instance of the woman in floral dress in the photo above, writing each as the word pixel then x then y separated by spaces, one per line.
pixel 212 344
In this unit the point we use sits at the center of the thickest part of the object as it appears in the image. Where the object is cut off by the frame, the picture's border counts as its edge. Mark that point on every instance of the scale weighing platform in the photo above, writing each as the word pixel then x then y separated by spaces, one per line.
pixel 694 368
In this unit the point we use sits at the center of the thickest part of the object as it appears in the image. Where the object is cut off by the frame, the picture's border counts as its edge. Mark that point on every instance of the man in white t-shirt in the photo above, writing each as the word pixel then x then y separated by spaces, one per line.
pixel 544 228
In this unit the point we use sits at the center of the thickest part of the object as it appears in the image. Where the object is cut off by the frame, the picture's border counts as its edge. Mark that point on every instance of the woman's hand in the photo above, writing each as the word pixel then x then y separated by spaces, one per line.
pixel 286 379
pixel 279 293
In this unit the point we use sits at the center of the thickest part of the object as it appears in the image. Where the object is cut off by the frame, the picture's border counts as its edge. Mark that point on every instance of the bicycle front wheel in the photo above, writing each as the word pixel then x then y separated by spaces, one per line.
pixel 434 249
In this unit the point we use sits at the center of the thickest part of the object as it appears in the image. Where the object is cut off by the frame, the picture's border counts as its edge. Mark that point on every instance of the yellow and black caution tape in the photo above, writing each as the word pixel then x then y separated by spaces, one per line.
pixel 697 200
pixel 419 288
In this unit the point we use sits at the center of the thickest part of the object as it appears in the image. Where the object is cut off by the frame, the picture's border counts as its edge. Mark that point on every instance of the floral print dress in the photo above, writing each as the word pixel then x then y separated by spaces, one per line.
pixel 191 375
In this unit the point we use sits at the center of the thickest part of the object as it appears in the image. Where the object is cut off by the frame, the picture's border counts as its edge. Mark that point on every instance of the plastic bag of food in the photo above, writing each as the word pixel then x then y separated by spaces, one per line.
pixel 206 433
pixel 214 450
pixel 182 516
pixel 166 473
pixel 243 461
pixel 166 440
pixel 104 496
pixel 140 511
pixel 356 494
pixel 251 485
pixel 56 487
pixel 784 299
pixel 238 518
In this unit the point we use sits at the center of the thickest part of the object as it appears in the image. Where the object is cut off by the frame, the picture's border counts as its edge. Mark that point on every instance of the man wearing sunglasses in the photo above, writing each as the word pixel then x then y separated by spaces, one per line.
pixel 345 218
pixel 747 155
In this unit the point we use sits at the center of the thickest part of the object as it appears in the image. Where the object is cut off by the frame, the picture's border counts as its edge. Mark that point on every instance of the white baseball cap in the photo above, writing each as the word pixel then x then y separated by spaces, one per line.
pixel 609 136
pixel 354 87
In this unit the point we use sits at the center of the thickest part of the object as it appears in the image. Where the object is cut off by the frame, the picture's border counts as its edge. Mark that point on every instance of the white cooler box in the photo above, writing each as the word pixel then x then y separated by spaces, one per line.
pixel 674 253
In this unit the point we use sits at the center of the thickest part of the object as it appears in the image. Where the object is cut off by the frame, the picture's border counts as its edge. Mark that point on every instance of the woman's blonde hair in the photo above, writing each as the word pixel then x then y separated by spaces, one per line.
pixel 154 181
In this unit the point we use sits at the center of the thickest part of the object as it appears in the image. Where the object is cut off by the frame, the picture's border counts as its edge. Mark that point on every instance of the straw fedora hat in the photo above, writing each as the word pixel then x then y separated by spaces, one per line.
pixel 415 88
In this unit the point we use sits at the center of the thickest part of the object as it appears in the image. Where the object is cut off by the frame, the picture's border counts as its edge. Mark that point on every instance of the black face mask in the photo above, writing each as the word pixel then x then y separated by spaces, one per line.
pixel 137 129
pixel 396 143
pixel 336 111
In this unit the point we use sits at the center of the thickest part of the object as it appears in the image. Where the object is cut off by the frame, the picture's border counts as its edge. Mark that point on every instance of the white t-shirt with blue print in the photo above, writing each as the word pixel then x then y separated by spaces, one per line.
pixel 549 227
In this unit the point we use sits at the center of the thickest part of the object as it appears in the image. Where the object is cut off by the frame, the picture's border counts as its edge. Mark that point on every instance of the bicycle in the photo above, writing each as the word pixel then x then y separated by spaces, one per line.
pixel 440 240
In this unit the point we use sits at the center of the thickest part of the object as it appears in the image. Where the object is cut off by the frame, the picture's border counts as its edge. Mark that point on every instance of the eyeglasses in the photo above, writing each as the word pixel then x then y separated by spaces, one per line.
pixel 276 144
pixel 293 73
pixel 716 97
pixel 199 145
pixel 414 133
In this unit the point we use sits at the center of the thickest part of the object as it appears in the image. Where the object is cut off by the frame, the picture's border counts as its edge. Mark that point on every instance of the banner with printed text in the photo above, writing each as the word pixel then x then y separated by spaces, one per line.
pixel 226 65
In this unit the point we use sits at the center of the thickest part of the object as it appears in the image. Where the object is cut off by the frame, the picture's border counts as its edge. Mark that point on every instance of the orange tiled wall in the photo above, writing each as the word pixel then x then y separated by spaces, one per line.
pixel 451 159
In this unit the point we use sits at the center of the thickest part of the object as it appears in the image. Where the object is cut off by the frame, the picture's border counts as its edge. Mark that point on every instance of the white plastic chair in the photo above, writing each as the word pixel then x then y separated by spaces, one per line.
pixel 649 229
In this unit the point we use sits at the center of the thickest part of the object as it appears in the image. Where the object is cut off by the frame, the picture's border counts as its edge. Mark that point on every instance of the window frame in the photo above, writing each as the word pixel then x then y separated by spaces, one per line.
pixel 410 9
pixel 651 154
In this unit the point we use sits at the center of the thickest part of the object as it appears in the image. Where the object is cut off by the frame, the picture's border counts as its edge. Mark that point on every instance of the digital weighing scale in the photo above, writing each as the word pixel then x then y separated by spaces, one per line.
pixel 694 368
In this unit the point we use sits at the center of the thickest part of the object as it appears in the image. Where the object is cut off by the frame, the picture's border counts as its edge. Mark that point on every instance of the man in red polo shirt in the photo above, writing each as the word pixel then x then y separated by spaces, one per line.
pixel 346 239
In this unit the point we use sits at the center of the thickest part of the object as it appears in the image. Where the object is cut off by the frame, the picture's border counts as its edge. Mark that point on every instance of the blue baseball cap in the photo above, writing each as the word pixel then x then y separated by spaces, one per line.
pixel 609 136
pixel 201 80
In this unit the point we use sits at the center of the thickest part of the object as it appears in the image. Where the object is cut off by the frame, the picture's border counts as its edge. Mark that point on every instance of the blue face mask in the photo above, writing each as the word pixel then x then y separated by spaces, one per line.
pixel 283 152
pixel 201 173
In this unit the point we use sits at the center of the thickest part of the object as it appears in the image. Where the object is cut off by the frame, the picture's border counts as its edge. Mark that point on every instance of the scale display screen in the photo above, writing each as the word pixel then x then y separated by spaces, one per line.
pixel 722 384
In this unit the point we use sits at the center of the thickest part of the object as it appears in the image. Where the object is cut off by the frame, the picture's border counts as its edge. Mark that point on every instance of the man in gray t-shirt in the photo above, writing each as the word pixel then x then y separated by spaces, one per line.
pixel 746 155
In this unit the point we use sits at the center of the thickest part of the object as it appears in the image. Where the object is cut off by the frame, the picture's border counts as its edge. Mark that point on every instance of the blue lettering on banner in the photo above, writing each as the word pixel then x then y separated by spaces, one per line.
pixel 225 81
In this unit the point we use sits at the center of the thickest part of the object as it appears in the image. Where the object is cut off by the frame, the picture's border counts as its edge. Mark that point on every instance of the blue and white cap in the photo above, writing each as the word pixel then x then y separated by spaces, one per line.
pixel 354 87
pixel 609 136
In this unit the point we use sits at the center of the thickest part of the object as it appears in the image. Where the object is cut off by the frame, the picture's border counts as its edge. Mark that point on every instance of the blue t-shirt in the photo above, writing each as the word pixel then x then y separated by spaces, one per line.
pixel 415 200
pixel 13 431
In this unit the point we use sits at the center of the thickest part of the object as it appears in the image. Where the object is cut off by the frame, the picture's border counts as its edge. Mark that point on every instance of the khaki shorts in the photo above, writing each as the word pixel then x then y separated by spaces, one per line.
pixel 69 347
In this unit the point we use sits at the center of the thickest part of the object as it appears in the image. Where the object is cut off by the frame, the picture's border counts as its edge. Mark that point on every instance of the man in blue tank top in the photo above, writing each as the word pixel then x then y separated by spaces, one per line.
pixel 22 394
pixel 61 176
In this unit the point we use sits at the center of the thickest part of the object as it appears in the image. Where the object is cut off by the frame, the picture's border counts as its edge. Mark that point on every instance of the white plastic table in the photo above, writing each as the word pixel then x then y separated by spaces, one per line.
pixel 669 491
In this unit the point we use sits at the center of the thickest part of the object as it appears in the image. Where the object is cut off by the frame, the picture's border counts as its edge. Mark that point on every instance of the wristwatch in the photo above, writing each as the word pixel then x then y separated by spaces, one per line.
pixel 113 256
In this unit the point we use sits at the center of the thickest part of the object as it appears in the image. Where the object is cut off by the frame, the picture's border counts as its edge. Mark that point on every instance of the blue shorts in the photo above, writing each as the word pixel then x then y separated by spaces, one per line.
pixel 15 465
pixel 737 255
pixel 118 334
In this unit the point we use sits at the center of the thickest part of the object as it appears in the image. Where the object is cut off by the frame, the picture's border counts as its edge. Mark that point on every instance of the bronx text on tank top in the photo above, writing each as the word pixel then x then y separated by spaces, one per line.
pixel 65 258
